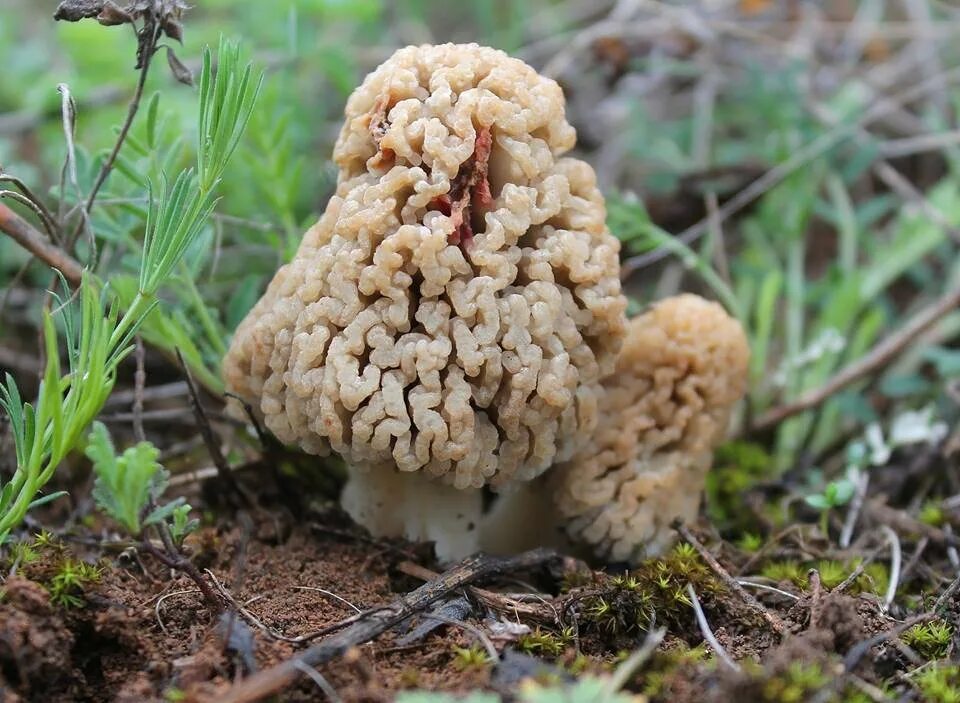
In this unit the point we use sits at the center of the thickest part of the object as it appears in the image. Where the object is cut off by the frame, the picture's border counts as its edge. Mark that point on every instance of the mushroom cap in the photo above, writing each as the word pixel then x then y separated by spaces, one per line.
pixel 458 303
pixel 682 369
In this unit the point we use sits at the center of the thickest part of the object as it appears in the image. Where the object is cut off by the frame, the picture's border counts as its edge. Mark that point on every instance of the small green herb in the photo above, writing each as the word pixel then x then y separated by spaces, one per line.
pixel 128 484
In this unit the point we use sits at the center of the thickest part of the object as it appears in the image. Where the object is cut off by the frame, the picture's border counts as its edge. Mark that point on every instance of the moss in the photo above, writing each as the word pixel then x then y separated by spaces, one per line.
pixel 66 586
pixel 410 677
pixel 786 570
pixel 930 640
pixel 582 664
pixel 22 554
pixel 655 590
pixel 796 684
pixel 738 466
pixel 939 684
pixel 470 658
pixel 832 573
pixel 750 542
pixel 47 561
pixel 545 643
pixel 670 666
pixel 932 514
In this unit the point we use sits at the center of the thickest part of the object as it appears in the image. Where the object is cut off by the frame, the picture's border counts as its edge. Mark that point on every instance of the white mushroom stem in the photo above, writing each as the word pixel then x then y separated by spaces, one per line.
pixel 391 503
pixel 522 517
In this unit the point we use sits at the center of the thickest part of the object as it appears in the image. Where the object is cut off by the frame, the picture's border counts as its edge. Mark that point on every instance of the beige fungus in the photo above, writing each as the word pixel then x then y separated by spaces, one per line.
pixel 457 305
pixel 450 321
pixel 682 369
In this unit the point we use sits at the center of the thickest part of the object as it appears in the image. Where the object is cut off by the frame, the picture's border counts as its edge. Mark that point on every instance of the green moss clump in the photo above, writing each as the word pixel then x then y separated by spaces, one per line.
pixel 46 560
pixel 669 666
pixel 832 573
pixel 470 658
pixel 67 584
pixel 932 514
pixel 930 640
pixel 750 542
pixel 940 684
pixel 796 684
pixel 544 643
pixel 738 466
pixel 655 590
pixel 786 570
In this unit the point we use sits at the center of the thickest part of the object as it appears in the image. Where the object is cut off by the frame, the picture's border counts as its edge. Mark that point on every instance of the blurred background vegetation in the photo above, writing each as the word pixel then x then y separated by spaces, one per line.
pixel 797 161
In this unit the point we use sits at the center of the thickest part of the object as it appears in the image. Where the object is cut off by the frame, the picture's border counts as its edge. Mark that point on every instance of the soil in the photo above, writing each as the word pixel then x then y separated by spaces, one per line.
pixel 141 632
pixel 288 572
pixel 144 633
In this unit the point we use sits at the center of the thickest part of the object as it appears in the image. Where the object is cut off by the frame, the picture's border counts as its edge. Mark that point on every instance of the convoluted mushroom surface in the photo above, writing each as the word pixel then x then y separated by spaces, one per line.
pixel 682 369
pixel 458 304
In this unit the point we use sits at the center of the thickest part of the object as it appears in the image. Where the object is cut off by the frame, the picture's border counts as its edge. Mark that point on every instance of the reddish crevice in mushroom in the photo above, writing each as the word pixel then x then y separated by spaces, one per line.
pixel 378 126
pixel 471 188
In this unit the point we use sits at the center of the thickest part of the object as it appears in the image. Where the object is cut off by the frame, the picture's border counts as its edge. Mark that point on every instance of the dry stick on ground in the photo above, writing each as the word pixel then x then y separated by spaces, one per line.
pixel 816 595
pixel 495 601
pixel 707 633
pixel 914 558
pixel 276 678
pixel 882 354
pixel 768 546
pixel 171 557
pixel 881 513
pixel 853 513
pixel 772 618
pixel 857 571
pixel 859 651
pixel 940 607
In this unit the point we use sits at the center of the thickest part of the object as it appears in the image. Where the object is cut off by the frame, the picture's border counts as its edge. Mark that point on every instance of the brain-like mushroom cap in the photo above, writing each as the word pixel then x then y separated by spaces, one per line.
pixel 682 369
pixel 457 305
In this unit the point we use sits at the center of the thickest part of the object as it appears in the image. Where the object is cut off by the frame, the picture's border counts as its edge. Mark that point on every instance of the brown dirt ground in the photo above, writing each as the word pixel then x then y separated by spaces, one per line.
pixel 144 631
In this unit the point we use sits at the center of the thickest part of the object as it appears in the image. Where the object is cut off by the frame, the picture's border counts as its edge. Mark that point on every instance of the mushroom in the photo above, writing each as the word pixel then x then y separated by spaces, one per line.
pixel 448 322
pixel 682 370
pixel 454 322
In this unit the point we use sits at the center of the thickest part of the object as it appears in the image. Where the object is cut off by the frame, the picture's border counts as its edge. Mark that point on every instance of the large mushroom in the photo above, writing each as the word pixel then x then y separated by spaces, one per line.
pixel 448 322
pixel 454 322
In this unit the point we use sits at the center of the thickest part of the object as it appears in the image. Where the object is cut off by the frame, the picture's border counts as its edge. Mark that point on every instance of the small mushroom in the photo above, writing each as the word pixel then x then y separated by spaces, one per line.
pixel 448 322
pixel 682 370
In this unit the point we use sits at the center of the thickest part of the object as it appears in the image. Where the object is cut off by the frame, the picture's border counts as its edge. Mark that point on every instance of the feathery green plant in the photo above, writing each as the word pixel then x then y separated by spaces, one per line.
pixel 129 483
pixel 99 338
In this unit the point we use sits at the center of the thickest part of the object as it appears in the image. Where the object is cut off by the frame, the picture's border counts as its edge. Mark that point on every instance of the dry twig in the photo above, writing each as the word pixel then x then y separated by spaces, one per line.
pixel 707 632
pixel 495 601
